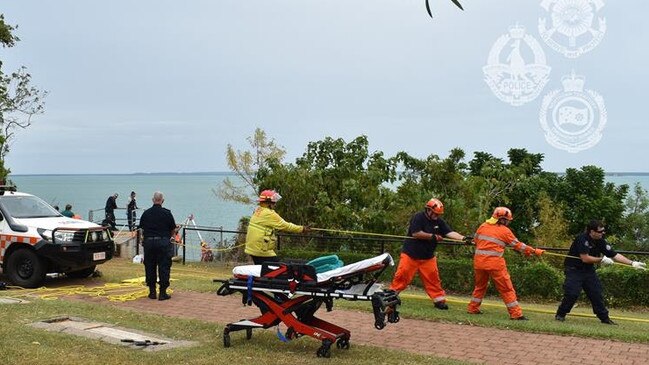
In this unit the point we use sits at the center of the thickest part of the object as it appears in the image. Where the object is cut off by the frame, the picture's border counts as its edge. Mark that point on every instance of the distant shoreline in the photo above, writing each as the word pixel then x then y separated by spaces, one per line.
pixel 229 173
pixel 213 173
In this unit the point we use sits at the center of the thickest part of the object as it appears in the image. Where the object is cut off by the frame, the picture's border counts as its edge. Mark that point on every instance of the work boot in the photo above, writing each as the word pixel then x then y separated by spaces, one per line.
pixel 163 295
pixel 560 318
pixel 608 321
pixel 521 318
pixel 475 312
pixel 441 305
pixel 152 293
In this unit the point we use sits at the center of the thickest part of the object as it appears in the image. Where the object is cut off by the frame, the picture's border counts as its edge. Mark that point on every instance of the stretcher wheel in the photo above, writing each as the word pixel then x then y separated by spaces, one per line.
pixel 379 325
pixel 290 333
pixel 393 317
pixel 343 343
pixel 325 349
pixel 248 333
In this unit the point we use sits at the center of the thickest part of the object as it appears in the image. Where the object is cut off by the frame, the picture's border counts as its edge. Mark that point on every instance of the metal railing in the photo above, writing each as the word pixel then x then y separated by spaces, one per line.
pixel 224 240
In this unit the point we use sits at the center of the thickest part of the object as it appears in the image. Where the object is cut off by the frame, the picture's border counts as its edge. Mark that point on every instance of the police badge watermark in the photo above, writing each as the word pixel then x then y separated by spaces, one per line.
pixel 514 80
pixel 572 33
pixel 573 118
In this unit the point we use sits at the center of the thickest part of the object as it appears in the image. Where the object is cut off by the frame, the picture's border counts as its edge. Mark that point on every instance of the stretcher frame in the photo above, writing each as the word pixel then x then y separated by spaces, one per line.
pixel 290 294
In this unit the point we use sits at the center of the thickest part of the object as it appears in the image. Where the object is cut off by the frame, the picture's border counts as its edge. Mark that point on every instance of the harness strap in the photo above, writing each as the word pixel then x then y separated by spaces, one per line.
pixel 250 280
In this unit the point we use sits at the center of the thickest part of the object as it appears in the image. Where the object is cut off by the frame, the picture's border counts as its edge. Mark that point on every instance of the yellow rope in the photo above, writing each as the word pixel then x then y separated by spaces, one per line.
pixel 373 234
pixel 535 310
pixel 130 289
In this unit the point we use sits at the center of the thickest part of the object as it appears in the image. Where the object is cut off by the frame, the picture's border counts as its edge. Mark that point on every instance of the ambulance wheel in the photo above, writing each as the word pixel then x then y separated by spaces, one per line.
pixel 325 349
pixel 25 268
pixel 343 343
pixel 248 333
pixel 226 338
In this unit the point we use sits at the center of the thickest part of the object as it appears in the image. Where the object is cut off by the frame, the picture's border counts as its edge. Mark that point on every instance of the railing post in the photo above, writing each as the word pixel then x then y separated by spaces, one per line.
pixel 137 241
pixel 184 243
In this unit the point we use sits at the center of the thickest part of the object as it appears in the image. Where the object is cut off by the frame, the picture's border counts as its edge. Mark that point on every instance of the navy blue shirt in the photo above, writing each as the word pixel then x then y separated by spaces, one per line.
pixel 585 244
pixel 424 249
pixel 157 222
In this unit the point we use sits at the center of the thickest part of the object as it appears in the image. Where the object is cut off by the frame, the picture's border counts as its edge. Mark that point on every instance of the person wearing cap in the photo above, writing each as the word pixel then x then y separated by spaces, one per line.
pixel 580 272
pixel 109 209
pixel 490 239
pixel 418 253
pixel 261 238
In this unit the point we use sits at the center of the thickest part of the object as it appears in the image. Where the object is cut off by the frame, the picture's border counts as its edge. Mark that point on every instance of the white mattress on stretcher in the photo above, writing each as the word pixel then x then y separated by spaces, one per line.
pixel 255 270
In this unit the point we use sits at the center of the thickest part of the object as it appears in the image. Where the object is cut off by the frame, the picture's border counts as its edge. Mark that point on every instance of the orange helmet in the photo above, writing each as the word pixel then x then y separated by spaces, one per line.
pixel 436 206
pixel 502 212
pixel 270 196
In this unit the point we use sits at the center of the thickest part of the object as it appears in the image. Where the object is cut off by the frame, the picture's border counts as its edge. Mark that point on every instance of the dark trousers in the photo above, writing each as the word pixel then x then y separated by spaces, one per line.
pixel 576 280
pixel 110 220
pixel 157 257
pixel 130 216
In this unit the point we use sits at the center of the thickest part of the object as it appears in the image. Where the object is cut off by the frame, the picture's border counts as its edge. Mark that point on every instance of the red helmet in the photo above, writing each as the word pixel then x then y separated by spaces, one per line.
pixel 436 206
pixel 269 196
pixel 502 212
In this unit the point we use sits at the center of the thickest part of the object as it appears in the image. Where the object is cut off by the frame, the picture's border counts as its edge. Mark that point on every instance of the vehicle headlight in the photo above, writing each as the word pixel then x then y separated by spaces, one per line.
pixel 45 233
pixel 59 236
pixel 63 236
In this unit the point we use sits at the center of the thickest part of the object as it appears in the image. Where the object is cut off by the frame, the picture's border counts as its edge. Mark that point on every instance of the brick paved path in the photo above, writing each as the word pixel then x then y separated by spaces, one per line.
pixel 496 346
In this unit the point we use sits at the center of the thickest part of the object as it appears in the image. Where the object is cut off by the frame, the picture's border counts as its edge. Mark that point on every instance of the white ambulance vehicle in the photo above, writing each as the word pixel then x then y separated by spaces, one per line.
pixel 35 239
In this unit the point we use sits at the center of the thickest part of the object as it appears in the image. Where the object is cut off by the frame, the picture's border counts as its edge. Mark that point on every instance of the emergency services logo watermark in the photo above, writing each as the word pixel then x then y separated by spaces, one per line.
pixel 573 118
pixel 572 33
pixel 516 81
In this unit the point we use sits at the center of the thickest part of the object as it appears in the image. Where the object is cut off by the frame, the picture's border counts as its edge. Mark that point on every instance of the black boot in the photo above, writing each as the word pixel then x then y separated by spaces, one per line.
pixel 163 294
pixel 152 294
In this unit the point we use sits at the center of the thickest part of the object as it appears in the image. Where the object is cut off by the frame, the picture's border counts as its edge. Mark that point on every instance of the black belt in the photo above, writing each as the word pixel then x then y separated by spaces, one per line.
pixel 157 238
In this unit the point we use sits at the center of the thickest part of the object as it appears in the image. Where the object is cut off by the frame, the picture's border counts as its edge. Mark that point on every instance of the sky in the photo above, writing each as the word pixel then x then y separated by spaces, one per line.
pixel 165 86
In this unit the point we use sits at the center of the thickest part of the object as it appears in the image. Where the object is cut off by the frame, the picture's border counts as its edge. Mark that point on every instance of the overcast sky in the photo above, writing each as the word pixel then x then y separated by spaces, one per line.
pixel 153 86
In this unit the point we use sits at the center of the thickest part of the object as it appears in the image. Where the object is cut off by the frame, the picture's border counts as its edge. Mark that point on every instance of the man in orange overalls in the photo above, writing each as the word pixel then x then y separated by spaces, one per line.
pixel 418 254
pixel 490 239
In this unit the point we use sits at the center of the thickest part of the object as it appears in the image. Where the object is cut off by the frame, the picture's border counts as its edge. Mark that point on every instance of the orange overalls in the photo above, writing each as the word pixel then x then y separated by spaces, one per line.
pixel 490 241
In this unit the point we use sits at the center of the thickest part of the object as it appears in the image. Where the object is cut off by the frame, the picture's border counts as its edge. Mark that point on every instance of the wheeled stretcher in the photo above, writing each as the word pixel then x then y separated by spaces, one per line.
pixel 292 293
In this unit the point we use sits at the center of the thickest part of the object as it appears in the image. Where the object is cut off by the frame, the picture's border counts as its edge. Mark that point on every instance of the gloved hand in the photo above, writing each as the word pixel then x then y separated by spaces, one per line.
pixel 306 229
pixel 538 252
pixel 468 239
pixel 606 261
pixel 438 238
pixel 639 265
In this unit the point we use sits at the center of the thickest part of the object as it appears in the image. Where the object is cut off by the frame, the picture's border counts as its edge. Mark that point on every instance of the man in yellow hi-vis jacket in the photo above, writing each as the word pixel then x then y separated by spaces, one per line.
pixel 261 239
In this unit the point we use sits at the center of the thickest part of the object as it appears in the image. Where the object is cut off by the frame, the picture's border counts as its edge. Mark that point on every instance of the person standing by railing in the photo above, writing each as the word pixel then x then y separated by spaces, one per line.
pixel 111 205
pixel 131 215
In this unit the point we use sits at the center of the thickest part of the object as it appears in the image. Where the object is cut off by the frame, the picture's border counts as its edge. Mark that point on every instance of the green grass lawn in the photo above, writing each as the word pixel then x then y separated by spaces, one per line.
pixel 23 344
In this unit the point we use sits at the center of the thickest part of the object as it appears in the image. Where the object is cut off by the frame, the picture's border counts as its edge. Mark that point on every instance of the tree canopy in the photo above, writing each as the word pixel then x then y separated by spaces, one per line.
pixel 343 185
pixel 19 100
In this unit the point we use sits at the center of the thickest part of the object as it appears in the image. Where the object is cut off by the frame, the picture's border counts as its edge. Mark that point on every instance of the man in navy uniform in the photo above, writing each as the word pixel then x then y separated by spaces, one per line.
pixel 580 271
pixel 159 226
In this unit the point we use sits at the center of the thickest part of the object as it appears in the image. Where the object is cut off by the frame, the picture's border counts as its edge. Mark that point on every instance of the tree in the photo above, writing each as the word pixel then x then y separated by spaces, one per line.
pixel 19 100
pixel 246 164
pixel 636 220
pixel 587 196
